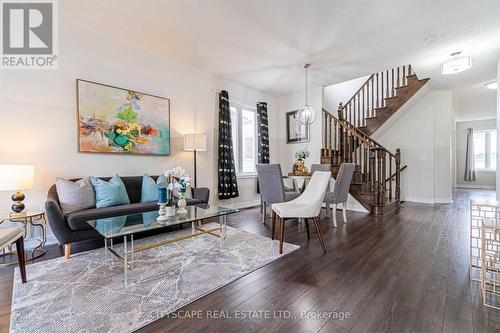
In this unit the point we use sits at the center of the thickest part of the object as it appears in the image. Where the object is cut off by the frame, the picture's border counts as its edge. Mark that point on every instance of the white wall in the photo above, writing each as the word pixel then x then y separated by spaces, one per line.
pixel 341 93
pixel 287 150
pixel 39 120
pixel 423 131
pixel 484 179
pixel 498 132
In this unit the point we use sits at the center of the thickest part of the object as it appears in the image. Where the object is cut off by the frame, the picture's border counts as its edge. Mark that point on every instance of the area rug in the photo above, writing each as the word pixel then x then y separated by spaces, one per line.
pixel 87 293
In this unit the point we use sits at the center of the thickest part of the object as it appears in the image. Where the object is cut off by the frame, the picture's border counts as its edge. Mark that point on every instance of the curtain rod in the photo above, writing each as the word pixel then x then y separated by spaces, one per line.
pixel 241 101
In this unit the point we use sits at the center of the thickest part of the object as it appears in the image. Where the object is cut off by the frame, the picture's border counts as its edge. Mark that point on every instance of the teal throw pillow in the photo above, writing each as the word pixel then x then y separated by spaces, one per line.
pixel 111 193
pixel 150 188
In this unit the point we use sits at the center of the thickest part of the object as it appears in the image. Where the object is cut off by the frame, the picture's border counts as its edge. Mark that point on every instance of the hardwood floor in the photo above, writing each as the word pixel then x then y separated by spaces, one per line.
pixel 399 273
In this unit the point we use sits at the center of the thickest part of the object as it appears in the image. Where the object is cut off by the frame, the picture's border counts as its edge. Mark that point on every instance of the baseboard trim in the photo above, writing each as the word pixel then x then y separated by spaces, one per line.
pixel 478 186
pixel 418 200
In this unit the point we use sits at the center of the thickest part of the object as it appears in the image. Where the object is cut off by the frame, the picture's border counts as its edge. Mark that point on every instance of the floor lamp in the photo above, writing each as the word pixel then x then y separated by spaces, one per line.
pixel 194 143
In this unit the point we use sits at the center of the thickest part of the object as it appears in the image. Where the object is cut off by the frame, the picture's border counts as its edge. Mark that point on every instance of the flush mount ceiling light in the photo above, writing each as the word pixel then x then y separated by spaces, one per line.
pixel 306 114
pixel 456 65
pixel 491 85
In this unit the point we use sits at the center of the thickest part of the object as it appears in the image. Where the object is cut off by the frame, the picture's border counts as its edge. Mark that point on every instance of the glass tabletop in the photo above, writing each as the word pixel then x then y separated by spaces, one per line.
pixel 22 215
pixel 136 223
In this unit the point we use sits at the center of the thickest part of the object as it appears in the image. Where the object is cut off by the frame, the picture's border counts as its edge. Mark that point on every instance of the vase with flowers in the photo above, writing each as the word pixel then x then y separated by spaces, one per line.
pixel 182 185
pixel 298 167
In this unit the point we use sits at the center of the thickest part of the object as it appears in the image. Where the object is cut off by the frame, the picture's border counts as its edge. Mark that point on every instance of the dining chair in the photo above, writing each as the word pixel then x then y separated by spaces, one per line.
pixel 307 206
pixel 340 191
pixel 9 236
pixel 319 167
pixel 272 189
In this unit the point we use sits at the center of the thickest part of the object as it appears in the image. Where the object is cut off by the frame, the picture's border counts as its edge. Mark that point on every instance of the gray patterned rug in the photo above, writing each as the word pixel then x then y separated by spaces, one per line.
pixel 87 293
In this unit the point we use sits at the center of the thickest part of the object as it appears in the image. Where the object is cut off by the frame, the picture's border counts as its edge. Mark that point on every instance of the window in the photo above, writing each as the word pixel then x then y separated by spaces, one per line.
pixel 485 149
pixel 244 127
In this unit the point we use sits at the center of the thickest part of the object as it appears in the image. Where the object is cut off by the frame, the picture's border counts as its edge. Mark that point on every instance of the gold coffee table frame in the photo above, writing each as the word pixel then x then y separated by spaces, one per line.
pixel 197 230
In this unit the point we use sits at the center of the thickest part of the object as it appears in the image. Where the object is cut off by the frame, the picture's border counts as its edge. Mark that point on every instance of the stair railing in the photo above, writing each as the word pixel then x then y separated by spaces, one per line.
pixel 373 93
pixel 343 142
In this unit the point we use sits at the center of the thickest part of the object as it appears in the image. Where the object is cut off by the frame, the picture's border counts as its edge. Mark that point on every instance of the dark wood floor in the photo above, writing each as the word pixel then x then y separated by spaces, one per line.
pixel 400 273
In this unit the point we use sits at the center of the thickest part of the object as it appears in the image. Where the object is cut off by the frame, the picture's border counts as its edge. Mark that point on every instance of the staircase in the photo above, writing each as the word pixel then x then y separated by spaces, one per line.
pixel 376 183
pixel 380 97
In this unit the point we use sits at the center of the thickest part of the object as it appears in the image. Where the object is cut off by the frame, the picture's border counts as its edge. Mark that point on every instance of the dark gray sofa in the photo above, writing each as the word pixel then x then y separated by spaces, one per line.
pixel 72 227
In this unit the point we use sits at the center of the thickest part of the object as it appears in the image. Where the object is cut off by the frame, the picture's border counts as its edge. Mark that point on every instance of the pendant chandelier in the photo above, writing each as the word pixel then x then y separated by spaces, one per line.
pixel 306 114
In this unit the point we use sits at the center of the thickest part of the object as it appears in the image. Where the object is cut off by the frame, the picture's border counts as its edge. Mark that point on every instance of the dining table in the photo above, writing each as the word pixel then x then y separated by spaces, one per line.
pixel 299 182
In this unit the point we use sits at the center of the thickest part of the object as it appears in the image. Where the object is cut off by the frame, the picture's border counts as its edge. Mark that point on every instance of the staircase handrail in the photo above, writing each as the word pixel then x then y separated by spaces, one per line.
pixel 361 88
pixel 359 133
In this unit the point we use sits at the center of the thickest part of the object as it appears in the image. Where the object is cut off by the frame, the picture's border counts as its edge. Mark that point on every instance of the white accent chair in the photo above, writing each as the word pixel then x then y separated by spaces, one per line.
pixel 306 206
pixel 8 236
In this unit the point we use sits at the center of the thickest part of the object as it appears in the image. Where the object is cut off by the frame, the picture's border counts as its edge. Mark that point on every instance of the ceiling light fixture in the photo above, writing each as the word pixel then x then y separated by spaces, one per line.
pixel 491 85
pixel 306 114
pixel 456 65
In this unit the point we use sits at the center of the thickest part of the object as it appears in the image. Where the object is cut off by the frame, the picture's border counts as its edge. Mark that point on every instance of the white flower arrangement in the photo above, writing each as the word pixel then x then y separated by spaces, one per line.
pixel 302 154
pixel 176 172
pixel 183 180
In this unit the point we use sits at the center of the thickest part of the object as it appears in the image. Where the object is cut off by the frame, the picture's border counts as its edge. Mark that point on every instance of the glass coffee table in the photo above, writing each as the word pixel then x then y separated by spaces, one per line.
pixel 127 226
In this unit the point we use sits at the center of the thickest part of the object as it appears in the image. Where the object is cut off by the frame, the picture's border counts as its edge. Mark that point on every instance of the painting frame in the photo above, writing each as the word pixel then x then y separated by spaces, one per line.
pixel 166 100
pixel 294 137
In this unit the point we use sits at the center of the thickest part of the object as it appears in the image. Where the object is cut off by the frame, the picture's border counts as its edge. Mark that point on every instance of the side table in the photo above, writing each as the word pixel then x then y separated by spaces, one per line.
pixel 490 266
pixel 30 219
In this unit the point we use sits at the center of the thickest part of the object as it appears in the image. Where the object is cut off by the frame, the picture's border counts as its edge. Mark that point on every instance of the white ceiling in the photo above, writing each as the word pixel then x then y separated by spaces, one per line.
pixel 263 43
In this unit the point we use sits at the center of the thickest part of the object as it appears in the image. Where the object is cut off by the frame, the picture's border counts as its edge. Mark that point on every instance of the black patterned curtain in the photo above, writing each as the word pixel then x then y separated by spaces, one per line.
pixel 263 133
pixel 228 186
pixel 262 136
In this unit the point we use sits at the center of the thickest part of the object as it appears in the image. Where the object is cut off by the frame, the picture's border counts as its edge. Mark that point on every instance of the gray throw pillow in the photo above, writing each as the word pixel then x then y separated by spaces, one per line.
pixel 74 196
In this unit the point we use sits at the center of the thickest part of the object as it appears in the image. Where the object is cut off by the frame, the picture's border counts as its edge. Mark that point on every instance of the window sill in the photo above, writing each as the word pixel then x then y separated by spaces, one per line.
pixel 246 176
pixel 486 170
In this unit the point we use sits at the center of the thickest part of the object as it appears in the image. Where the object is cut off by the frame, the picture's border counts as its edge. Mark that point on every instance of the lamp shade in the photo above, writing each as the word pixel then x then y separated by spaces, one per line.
pixel 15 177
pixel 195 142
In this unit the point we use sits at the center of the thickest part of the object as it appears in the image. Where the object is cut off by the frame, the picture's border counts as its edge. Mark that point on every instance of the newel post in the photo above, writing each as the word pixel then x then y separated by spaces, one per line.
pixel 339 111
pixel 372 177
pixel 398 178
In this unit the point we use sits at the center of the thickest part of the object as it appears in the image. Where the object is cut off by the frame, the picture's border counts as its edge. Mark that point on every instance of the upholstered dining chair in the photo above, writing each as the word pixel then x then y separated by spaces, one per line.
pixel 272 189
pixel 9 236
pixel 319 167
pixel 340 191
pixel 307 206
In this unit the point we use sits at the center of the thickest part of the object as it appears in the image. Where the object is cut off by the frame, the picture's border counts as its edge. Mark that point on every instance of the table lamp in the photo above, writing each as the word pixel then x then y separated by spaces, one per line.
pixel 17 177
pixel 194 143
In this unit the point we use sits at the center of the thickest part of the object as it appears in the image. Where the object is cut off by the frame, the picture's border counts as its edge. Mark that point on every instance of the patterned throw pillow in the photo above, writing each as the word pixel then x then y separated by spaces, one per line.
pixel 74 196
pixel 108 194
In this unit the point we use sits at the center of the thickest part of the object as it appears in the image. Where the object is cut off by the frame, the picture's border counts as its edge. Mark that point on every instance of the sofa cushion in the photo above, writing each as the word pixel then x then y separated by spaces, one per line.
pixel 78 220
pixel 109 193
pixel 75 196
pixel 149 191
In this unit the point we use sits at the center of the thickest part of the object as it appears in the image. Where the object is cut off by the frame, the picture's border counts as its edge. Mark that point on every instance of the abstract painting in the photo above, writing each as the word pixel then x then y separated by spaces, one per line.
pixel 121 121
pixel 295 131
